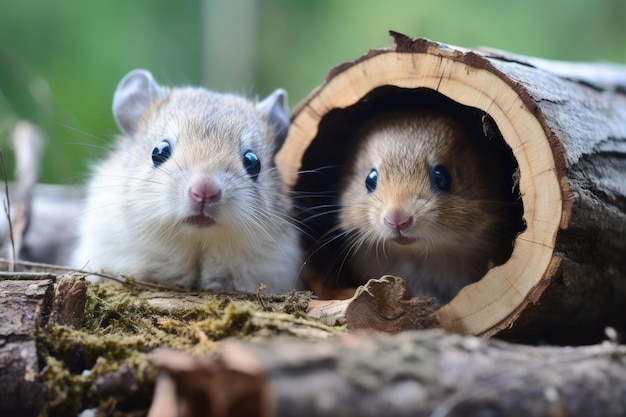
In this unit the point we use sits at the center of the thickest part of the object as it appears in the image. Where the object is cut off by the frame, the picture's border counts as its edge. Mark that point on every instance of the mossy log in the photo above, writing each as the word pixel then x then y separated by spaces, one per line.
pixel 93 347
pixel 66 346
pixel 566 126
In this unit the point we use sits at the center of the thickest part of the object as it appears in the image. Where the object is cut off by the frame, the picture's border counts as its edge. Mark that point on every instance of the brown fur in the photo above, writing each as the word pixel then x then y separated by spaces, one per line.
pixel 459 233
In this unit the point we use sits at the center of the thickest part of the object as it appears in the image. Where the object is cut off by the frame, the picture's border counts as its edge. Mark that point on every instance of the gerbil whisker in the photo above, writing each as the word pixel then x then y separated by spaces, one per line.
pixel 380 243
pixel 356 236
pixel 345 248
pixel 314 195
pixel 83 132
pixel 144 180
pixel 92 146
pixel 277 218
pixel 325 242
pixel 171 232
pixel 317 170
pixel 265 221
pixel 322 213
pixel 352 247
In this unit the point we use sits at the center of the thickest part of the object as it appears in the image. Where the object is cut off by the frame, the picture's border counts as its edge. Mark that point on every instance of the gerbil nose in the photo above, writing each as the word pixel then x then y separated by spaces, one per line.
pixel 398 220
pixel 204 190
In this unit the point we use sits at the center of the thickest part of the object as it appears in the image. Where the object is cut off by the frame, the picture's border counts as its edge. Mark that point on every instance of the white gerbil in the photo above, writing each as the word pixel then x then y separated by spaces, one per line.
pixel 427 200
pixel 190 195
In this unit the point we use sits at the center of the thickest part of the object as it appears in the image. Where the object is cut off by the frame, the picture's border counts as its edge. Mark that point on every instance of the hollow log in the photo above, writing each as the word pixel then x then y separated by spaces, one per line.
pixel 565 124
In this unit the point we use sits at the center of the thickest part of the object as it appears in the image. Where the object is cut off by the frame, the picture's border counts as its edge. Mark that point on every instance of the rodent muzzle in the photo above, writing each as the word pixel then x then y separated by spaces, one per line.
pixel 397 220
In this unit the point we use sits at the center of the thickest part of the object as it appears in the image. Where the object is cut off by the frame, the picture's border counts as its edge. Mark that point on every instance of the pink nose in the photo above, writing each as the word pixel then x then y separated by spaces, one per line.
pixel 205 190
pixel 398 220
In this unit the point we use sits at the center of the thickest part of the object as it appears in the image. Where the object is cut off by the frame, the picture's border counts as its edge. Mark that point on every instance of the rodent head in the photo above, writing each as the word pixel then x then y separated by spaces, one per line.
pixel 195 157
pixel 421 182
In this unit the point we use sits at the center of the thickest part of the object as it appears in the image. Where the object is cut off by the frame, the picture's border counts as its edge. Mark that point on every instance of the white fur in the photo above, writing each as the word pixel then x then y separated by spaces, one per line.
pixel 134 218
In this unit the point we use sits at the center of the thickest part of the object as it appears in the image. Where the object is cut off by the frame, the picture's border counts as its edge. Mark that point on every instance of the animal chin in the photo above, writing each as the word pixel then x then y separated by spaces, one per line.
pixel 402 239
pixel 200 220
pixel 203 215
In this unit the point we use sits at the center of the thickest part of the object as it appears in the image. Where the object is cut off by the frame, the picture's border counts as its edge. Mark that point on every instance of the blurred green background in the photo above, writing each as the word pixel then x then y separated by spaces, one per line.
pixel 61 61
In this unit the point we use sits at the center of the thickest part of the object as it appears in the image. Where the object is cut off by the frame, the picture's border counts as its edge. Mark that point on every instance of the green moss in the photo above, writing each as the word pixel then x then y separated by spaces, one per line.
pixel 124 324
pixel 234 321
pixel 71 392
pixel 65 390
pixel 112 307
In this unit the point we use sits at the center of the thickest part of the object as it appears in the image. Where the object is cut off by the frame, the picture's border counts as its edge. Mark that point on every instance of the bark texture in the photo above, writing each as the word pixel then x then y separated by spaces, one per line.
pixel 24 306
pixel 220 355
pixel 428 373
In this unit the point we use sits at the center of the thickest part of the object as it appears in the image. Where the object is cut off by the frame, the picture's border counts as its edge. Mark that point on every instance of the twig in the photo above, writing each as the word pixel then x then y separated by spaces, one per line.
pixel 258 296
pixel 124 281
pixel 29 143
pixel 7 210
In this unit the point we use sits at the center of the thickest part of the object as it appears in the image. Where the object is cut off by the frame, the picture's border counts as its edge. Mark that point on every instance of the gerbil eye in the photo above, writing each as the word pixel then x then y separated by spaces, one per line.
pixel 371 180
pixel 161 153
pixel 252 164
pixel 440 178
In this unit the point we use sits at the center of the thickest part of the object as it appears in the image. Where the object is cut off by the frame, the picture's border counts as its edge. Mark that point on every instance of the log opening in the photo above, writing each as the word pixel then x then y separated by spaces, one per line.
pixel 566 130
pixel 318 184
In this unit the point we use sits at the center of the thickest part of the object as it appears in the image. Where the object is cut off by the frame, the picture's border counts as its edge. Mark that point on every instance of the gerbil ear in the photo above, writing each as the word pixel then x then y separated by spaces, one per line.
pixel 277 111
pixel 133 96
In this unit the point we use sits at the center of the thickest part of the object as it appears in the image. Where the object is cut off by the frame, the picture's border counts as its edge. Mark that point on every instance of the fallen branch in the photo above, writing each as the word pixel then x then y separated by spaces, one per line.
pixel 428 373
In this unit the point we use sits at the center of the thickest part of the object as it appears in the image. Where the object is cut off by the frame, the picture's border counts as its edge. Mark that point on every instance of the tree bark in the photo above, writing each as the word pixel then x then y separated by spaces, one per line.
pixel 428 373
pixel 309 370
pixel 24 306
pixel 566 126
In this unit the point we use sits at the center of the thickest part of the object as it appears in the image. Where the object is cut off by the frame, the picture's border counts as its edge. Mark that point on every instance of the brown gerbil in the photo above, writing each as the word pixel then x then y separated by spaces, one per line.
pixel 425 197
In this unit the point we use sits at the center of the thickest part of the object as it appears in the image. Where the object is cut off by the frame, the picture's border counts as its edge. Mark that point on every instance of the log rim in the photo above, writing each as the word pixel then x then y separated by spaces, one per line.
pixel 421 63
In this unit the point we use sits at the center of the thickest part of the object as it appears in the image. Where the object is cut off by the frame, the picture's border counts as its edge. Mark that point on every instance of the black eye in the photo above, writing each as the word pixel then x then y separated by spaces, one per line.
pixel 161 153
pixel 440 178
pixel 371 180
pixel 252 164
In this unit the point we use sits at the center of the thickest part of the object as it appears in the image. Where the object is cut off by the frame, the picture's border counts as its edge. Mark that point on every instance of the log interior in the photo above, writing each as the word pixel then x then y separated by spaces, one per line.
pixel 319 182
